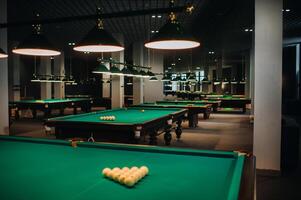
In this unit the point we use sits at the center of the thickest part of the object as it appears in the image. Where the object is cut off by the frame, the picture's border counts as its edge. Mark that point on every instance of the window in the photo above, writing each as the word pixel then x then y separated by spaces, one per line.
pixel 174 85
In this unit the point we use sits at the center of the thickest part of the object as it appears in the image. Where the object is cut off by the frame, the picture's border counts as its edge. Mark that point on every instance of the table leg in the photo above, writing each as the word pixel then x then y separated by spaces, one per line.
pixel 244 109
pixel 167 135
pixel 34 113
pixel 85 108
pixel 47 112
pixel 17 116
pixel 179 129
pixel 193 120
pixel 206 114
pixel 153 138
pixel 59 134
pixel 215 109
pixel 62 110
pixel 74 110
pixel 137 136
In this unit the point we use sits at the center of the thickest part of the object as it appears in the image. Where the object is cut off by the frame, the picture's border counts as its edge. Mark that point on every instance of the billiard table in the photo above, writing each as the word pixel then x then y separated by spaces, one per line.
pixel 193 109
pixel 55 169
pixel 47 105
pixel 228 101
pixel 214 103
pixel 131 124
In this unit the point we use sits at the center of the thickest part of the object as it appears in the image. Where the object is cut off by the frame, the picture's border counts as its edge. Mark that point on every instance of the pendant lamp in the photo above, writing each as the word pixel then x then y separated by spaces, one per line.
pixel 98 40
pixel 3 54
pixel 101 69
pixel 153 78
pixel 36 44
pixel 165 78
pixel 172 36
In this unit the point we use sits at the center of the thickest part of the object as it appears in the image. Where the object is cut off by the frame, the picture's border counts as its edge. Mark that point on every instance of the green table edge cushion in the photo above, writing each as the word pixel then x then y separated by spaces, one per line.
pixel 237 170
pixel 70 117
pixel 41 101
pixel 190 102
pixel 171 104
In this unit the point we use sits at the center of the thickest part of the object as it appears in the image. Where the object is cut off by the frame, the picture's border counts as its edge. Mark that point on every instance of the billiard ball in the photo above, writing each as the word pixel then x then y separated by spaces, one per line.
pixel 113 118
pixel 121 178
pixel 129 181
pixel 138 174
pixel 110 174
pixel 135 176
pixel 115 169
pixel 116 175
pixel 145 169
pixel 125 169
pixel 142 173
pixel 133 169
pixel 113 175
pixel 127 174
pixel 105 171
pixel 142 110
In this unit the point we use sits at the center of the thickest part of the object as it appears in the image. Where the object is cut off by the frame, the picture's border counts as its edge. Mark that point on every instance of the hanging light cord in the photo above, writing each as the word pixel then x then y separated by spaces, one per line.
pixel 99 19
pixel 70 65
pixel 35 65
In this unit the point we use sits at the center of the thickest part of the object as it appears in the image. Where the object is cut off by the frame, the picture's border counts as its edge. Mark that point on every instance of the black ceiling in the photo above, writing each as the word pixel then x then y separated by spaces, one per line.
pixel 219 24
pixel 133 28
pixel 292 19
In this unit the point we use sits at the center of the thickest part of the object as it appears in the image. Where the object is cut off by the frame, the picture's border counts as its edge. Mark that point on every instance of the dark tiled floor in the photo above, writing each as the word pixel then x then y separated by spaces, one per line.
pixel 220 132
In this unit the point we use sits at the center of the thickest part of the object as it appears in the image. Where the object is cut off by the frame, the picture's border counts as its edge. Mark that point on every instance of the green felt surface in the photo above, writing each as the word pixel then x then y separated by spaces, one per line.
pixel 122 116
pixel 42 169
pixel 233 98
pixel 226 98
pixel 189 102
pixel 50 100
pixel 178 104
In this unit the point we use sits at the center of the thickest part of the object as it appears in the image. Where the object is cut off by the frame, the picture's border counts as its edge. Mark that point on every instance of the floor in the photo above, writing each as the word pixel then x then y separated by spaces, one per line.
pixel 220 132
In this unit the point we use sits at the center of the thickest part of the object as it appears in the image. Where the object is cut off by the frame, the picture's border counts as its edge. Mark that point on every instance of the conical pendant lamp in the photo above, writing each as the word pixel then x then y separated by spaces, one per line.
pixel 166 78
pixel 36 44
pixel 172 36
pixel 3 54
pixel 101 69
pixel 98 40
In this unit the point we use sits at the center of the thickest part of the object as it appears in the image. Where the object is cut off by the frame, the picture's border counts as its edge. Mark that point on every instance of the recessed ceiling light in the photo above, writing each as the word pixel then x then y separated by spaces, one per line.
pixel 152 31
pixel 159 16
pixel 251 30
pixel 246 30
pixel 287 10
pixel 179 59
pixel 153 16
